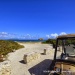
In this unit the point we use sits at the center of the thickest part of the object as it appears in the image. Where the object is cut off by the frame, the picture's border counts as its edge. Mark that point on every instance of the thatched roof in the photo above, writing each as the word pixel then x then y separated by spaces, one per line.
pixel 67 36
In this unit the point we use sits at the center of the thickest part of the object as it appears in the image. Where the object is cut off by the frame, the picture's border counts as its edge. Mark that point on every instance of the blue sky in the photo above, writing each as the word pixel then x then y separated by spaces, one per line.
pixel 36 18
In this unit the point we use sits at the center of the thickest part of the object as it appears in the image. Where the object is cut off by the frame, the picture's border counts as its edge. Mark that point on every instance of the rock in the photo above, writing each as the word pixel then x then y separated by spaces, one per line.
pixel 14 50
pixel 5 68
pixel 48 51
pixel 31 56
pixel 40 39
pixel 1 58
pixel 1 55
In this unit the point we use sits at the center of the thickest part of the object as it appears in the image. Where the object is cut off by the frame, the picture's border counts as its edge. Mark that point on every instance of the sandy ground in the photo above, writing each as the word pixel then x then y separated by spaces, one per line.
pixel 36 67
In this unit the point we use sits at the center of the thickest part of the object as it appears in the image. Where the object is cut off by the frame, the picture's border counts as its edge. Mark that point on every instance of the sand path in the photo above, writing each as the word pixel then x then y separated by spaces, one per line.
pixel 35 67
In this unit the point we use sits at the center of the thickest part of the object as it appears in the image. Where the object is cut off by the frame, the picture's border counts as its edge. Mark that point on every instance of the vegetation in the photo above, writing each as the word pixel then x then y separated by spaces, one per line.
pixel 53 41
pixel 50 41
pixel 8 46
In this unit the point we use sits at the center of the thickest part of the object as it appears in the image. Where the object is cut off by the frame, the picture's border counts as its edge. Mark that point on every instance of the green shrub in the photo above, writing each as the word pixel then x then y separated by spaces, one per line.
pixel 53 41
pixel 8 46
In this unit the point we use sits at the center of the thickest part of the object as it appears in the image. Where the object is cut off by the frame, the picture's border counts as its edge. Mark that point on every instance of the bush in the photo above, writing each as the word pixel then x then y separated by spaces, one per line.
pixel 53 41
pixel 8 46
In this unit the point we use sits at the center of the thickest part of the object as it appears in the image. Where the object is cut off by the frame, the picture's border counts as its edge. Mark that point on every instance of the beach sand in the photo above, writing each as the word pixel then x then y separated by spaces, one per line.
pixel 36 67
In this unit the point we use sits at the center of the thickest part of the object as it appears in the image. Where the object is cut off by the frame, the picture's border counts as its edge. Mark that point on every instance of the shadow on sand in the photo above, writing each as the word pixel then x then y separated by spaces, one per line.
pixel 22 61
pixel 40 68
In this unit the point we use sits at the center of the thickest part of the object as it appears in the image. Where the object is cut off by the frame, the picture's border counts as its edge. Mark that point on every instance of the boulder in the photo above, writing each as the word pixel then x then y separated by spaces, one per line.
pixel 48 51
pixel 5 68
pixel 31 56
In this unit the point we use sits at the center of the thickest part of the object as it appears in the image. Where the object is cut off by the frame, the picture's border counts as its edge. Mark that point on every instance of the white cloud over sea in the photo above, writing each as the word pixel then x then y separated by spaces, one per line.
pixel 54 35
pixel 5 35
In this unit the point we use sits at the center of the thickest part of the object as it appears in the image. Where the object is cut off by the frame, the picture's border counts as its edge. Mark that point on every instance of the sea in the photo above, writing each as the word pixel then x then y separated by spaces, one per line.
pixel 28 40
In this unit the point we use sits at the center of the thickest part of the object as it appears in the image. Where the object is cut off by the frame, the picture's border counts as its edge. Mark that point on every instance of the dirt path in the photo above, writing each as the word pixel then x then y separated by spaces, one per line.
pixel 35 67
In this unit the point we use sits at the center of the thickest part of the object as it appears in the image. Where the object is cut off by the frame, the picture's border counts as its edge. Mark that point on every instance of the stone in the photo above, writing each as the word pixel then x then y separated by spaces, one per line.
pixel 5 68
pixel 31 56
pixel 47 51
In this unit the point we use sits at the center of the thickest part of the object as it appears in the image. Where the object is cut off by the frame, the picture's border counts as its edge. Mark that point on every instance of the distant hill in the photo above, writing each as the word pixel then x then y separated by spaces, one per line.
pixel 40 39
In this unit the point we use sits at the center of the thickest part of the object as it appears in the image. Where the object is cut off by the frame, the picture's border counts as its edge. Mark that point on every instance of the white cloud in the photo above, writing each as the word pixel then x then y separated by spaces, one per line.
pixel 48 36
pixel 3 33
pixel 54 35
pixel 62 33
pixel 7 35
pixel 27 36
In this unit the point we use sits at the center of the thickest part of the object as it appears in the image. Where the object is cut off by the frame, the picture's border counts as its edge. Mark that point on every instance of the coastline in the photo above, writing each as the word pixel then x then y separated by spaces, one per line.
pixel 26 41
pixel 29 42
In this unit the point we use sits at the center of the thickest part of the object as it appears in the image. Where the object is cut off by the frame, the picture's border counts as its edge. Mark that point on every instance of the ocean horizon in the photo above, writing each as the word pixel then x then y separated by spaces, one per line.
pixel 28 40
